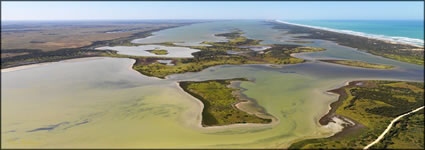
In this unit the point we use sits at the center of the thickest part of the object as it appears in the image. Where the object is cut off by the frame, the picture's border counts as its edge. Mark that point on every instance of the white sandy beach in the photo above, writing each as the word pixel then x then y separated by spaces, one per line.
pixel 392 40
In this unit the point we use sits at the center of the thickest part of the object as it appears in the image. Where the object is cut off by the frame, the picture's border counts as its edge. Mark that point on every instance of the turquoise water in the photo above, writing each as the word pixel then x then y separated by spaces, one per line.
pixel 399 30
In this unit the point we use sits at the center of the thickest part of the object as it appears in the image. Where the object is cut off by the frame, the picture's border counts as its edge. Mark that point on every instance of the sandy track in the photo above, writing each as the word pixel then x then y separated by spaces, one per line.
pixel 389 127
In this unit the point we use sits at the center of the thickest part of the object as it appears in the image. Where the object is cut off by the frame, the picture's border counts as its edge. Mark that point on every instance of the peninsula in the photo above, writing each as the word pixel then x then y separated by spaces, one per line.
pixel 59 45
pixel 238 50
pixel 371 105
pixel 220 101
pixel 360 64
pixel 401 52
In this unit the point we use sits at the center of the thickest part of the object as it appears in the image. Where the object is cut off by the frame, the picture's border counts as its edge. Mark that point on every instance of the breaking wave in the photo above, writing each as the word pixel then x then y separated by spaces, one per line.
pixel 397 39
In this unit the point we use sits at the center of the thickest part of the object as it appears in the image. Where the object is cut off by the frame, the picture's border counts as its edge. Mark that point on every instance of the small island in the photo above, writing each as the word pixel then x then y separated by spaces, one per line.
pixel 158 51
pixel 235 43
pixel 369 107
pixel 359 64
pixel 220 102
pixel 220 53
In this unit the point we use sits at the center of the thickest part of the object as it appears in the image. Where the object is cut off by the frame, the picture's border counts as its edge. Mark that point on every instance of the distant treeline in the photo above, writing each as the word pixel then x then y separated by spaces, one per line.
pixel 38 56
pixel 34 56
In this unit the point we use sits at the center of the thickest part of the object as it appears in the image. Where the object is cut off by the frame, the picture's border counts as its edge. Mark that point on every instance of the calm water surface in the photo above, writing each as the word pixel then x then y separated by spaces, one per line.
pixel 103 103
pixel 143 50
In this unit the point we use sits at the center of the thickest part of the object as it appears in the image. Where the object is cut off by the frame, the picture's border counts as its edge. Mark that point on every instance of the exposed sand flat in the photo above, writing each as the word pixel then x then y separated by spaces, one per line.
pixel 173 52
pixel 338 124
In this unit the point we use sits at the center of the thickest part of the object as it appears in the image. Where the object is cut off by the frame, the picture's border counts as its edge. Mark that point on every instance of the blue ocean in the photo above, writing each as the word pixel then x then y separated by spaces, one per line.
pixel 405 31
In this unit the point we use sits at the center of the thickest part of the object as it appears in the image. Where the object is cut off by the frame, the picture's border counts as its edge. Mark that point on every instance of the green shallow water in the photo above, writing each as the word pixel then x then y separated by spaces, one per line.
pixel 134 111
pixel 103 103
pixel 114 106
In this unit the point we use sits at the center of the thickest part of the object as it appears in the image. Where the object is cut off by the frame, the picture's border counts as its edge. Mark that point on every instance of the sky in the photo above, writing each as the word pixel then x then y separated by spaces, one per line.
pixel 212 10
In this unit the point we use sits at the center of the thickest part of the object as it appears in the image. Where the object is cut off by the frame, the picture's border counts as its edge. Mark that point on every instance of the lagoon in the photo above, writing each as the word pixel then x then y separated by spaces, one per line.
pixel 102 103
pixel 142 50
pixel 191 35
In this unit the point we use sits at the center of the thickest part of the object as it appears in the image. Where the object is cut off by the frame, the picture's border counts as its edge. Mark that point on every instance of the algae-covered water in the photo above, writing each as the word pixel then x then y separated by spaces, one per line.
pixel 103 103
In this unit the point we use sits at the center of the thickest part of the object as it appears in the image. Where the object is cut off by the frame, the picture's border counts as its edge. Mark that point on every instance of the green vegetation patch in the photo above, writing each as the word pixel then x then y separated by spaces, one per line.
pixel 279 54
pixel 373 104
pixel 158 51
pixel 401 52
pixel 219 102
pixel 407 133
pixel 217 55
pixel 414 58
pixel 38 56
pixel 182 65
pixel 359 64
pixel 236 40
pixel 34 56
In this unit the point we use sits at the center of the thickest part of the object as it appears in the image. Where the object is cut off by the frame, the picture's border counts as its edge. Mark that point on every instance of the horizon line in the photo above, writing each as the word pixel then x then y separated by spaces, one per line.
pixel 196 19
